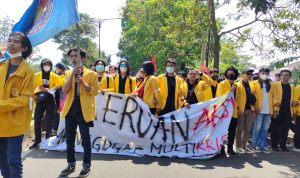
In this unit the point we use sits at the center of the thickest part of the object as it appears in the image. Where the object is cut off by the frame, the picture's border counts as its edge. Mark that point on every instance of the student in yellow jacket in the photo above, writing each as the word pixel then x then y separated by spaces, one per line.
pixel 106 82
pixel 46 83
pixel 140 78
pixel 211 91
pixel 263 90
pixel 297 115
pixel 81 86
pixel 169 84
pixel 192 90
pixel 149 90
pixel 124 83
pixel 16 90
pixel 283 111
pixel 223 88
pixel 245 101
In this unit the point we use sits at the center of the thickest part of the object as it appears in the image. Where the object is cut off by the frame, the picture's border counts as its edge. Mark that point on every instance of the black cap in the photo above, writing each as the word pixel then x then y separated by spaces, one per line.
pixel 60 65
pixel 246 71
pixel 264 70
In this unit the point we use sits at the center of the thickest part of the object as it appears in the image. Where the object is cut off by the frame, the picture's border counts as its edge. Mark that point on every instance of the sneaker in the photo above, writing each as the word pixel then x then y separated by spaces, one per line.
pixel 84 172
pixel 67 171
pixel 265 150
pixel 284 149
pixel 297 149
pixel 256 149
pixel 53 133
pixel 290 145
pixel 231 152
pixel 222 152
pixel 275 148
pixel 35 145
pixel 240 151
pixel 249 150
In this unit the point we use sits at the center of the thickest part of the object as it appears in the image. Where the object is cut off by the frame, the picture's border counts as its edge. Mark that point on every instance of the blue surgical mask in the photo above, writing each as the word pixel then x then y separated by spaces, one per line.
pixel 170 69
pixel 99 68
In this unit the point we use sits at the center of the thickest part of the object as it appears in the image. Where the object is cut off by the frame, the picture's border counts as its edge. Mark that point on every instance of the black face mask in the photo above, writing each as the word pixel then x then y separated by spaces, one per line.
pixel 230 77
pixel 215 77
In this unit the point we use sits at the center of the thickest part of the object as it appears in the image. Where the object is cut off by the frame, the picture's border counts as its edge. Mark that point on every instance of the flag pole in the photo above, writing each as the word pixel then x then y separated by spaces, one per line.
pixel 78 62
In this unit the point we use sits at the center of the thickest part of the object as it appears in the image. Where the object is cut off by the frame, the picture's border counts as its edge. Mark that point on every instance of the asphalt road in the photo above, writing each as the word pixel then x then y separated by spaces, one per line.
pixel 48 164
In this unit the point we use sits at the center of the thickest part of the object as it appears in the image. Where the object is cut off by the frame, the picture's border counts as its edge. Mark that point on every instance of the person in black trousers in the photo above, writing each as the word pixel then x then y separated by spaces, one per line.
pixel 46 82
pixel 282 117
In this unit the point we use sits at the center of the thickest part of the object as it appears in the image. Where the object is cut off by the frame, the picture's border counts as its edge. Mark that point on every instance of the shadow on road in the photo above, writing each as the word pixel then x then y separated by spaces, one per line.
pixel 290 160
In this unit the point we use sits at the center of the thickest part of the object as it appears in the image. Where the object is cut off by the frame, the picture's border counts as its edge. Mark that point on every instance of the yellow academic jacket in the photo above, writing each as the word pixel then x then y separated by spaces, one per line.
pixel 62 78
pixel 208 92
pixel 15 113
pixel 296 110
pixel 87 99
pixel 240 95
pixel 199 90
pixel 163 85
pixel 223 88
pixel 278 96
pixel 54 81
pixel 151 91
pixel 257 91
pixel 129 88
pixel 107 86
pixel 240 99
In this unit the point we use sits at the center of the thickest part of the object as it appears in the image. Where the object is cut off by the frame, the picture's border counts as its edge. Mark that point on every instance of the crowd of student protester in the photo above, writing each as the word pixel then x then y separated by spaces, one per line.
pixel 262 107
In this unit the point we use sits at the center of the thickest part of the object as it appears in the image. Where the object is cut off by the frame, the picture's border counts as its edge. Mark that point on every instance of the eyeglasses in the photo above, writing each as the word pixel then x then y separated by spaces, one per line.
pixel 284 75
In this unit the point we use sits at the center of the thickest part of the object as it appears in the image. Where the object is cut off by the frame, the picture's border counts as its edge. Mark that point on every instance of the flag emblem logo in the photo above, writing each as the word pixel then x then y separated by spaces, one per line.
pixel 42 16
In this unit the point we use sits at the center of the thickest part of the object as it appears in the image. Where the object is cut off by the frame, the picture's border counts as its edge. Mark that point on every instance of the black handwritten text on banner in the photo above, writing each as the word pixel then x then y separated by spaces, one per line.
pixel 124 125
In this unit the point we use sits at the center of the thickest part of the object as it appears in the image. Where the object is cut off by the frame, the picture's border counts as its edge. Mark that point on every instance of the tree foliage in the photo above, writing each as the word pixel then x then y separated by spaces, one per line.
pixel 296 76
pixel 87 32
pixel 276 29
pixel 6 25
pixel 165 28
pixel 230 57
pixel 263 5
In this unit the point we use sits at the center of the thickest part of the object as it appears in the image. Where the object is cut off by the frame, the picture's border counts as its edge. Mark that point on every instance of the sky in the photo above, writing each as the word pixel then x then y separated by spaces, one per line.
pixel 111 30
pixel 104 9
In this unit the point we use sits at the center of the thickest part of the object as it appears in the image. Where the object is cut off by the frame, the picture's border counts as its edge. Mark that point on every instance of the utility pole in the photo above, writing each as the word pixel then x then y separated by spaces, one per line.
pixel 100 22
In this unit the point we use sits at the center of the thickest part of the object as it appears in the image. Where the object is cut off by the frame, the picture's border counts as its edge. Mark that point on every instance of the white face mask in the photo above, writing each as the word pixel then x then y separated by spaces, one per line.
pixel 46 68
pixel 19 54
pixel 123 69
pixel 170 69
pixel 264 77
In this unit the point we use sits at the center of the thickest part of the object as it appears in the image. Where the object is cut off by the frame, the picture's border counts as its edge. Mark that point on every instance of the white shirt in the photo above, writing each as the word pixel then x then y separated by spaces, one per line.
pixel 265 101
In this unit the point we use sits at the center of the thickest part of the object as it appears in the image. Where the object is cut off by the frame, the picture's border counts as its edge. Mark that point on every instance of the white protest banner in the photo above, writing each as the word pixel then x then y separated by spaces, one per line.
pixel 125 126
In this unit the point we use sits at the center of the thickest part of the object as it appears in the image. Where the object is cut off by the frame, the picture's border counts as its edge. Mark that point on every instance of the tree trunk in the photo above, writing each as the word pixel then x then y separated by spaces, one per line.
pixel 212 14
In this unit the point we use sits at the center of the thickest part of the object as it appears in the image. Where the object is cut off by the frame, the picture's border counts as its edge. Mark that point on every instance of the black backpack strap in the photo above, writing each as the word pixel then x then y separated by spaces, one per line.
pixel 107 82
pixel 130 84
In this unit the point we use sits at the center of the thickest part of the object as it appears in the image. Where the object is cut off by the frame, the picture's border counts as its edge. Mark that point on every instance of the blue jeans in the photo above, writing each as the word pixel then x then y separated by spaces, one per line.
pixel 10 157
pixel 260 130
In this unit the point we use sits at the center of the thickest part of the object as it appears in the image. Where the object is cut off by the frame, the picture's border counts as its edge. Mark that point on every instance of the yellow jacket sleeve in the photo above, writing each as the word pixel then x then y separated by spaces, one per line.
pixel 209 82
pixel 111 85
pixel 57 81
pixel 22 100
pixel 93 83
pixel 156 91
pixel 220 90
